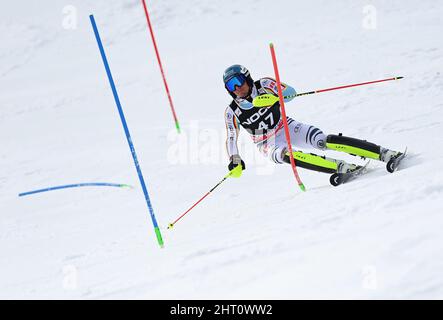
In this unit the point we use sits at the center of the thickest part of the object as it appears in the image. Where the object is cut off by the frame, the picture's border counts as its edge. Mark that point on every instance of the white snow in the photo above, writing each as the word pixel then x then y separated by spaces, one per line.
pixel 257 237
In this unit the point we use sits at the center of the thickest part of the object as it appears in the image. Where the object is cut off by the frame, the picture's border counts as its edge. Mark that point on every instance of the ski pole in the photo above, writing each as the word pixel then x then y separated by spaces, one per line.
pixel 268 99
pixel 346 86
pixel 236 172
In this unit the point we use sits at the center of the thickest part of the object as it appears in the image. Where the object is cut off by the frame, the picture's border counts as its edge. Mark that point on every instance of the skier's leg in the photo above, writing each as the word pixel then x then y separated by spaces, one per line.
pixel 307 136
pixel 302 136
pixel 359 147
pixel 318 163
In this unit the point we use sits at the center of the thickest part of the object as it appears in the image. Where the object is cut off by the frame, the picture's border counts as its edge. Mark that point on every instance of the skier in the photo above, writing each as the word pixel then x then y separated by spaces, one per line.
pixel 266 129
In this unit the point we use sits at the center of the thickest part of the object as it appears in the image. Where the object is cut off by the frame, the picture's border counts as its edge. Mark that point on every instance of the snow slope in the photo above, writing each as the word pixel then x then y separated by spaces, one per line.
pixel 257 237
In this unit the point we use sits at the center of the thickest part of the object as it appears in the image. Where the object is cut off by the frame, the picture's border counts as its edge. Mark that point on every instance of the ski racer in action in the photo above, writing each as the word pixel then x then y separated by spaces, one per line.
pixel 265 127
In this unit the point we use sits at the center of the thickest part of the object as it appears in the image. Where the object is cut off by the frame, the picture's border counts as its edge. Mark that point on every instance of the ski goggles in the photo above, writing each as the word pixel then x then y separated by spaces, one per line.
pixel 235 81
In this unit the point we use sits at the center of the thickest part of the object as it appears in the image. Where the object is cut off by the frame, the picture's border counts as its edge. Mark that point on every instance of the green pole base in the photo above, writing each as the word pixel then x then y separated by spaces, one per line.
pixel 159 237
pixel 177 125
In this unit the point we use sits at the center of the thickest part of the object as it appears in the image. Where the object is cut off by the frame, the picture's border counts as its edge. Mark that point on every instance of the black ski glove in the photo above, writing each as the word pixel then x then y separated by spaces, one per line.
pixel 235 161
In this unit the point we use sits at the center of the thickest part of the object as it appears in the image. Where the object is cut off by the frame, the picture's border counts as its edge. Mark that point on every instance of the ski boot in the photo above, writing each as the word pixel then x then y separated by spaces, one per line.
pixel 392 158
pixel 345 171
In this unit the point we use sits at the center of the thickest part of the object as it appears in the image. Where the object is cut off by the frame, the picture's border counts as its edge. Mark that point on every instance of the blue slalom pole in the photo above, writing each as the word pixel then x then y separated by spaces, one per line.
pixel 128 135
pixel 76 185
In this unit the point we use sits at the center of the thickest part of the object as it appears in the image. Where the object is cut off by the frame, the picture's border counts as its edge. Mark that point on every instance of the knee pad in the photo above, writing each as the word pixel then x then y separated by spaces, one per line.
pixel 316 138
pixel 320 141
pixel 276 154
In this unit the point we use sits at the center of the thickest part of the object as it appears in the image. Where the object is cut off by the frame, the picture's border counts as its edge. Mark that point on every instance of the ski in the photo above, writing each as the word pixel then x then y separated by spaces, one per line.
pixel 393 164
pixel 337 179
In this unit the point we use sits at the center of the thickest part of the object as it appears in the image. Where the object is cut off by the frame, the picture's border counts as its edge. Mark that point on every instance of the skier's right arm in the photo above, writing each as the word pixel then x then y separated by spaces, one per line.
pixel 232 130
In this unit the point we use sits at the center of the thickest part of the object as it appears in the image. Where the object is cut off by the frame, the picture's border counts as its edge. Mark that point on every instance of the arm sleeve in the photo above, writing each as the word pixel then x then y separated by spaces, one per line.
pixel 232 131
pixel 289 92
pixel 270 85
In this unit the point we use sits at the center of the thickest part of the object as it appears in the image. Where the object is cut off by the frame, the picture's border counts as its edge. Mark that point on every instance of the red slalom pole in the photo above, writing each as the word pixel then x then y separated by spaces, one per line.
pixel 177 125
pixel 285 122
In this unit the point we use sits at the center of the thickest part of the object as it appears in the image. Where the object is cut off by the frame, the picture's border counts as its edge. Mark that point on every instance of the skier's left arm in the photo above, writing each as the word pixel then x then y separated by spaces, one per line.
pixel 270 85
pixel 289 93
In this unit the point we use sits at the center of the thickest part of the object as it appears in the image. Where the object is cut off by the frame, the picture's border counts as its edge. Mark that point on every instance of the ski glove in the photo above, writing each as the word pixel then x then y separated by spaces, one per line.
pixel 235 161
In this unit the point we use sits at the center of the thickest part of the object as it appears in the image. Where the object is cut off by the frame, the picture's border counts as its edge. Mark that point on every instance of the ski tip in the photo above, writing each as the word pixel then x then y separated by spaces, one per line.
pixel 271 44
pixel 302 187
pixel 398 78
